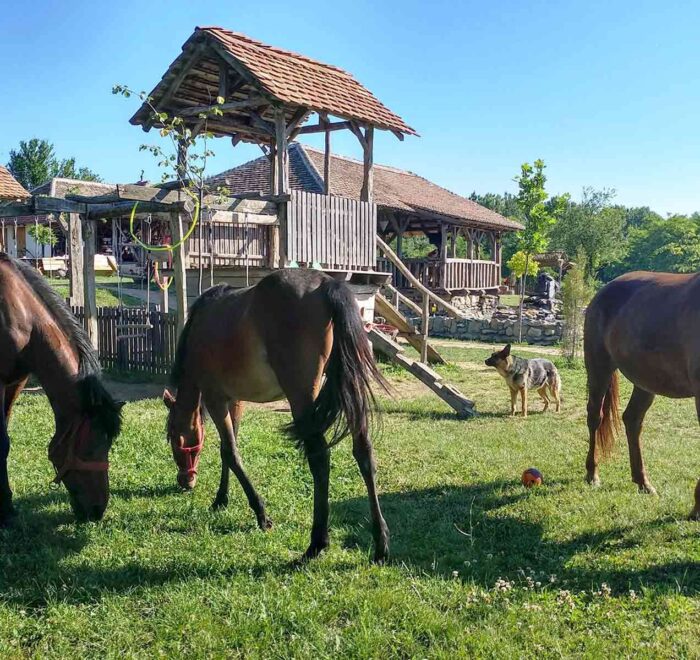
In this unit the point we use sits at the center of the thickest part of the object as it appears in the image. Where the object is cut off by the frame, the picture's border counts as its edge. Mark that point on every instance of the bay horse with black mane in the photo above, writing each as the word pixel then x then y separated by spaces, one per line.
pixel 277 340
pixel 646 325
pixel 40 336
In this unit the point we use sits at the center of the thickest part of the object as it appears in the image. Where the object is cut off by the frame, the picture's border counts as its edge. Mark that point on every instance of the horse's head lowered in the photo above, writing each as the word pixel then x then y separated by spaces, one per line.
pixel 80 453
pixel 186 437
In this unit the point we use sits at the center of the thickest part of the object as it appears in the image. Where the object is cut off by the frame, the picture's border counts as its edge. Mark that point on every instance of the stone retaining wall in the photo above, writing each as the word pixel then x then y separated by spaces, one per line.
pixel 501 328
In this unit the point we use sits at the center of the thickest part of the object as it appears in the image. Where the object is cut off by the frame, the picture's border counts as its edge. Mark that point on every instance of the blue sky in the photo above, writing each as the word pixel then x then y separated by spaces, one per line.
pixel 607 93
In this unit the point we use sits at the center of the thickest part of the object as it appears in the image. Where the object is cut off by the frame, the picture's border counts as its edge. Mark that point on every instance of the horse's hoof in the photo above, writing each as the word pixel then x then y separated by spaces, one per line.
pixel 219 503
pixel 314 550
pixel 647 489
pixel 381 554
pixel 695 514
pixel 593 482
pixel 264 523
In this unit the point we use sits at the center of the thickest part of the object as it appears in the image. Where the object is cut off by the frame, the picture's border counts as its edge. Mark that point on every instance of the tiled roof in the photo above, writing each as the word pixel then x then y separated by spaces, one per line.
pixel 255 69
pixel 393 188
pixel 59 187
pixel 299 80
pixel 9 186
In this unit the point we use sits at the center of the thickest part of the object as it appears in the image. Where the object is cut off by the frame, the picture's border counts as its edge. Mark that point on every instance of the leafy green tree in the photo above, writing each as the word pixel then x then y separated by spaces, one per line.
pixel 594 226
pixel 576 293
pixel 537 216
pixel 34 162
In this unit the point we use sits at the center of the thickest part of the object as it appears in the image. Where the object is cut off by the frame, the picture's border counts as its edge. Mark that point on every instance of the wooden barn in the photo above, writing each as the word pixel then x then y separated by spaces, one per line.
pixel 464 237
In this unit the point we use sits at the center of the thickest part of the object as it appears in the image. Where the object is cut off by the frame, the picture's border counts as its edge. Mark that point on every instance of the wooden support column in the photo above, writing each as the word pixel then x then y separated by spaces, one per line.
pixel 89 286
pixel 327 165
pixel 74 242
pixel 443 256
pixel 367 193
pixel 281 187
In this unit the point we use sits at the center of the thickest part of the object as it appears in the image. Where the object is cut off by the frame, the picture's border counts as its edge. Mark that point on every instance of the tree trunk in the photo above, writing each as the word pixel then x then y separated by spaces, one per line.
pixel 522 297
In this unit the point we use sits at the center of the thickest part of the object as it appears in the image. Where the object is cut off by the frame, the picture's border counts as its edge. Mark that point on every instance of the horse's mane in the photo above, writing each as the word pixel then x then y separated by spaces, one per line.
pixel 95 399
pixel 208 296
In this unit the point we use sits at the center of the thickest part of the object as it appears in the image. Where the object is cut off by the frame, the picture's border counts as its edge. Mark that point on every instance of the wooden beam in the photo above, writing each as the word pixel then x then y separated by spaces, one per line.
pixel 89 286
pixel 294 121
pixel 355 128
pixel 74 240
pixel 120 209
pixel 327 165
pixel 367 192
pixel 196 110
pixel 223 80
pixel 322 127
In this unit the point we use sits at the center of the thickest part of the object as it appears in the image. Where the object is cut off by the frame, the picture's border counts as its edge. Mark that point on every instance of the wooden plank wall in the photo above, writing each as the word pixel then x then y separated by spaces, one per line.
pixel 233 244
pixel 335 232
pixel 140 349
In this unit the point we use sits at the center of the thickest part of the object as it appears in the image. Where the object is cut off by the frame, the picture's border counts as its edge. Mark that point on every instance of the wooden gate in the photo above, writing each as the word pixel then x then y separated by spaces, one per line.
pixel 134 339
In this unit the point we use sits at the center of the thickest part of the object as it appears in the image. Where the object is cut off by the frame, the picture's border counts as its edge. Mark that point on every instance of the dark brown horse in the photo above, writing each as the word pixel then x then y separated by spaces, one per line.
pixel 647 325
pixel 273 341
pixel 40 336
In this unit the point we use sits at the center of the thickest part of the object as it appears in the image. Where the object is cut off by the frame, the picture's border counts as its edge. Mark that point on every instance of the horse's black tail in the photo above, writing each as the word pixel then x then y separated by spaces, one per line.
pixel 345 403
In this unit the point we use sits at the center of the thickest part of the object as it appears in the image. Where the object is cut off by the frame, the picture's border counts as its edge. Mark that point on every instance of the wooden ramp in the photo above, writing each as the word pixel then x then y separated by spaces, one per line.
pixel 394 317
pixel 449 394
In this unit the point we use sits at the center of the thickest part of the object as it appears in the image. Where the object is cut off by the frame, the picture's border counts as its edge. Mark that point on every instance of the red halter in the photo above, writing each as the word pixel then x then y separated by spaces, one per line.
pixel 79 433
pixel 191 457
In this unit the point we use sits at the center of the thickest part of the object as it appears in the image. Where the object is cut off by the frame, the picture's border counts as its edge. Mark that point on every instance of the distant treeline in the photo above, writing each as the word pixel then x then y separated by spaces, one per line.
pixel 614 239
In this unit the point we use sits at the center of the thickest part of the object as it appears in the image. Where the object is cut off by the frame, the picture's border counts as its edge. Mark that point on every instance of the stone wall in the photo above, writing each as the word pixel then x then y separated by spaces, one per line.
pixel 539 327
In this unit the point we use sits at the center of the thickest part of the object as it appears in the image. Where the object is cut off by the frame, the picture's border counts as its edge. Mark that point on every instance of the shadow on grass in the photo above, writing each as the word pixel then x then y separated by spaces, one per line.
pixel 472 530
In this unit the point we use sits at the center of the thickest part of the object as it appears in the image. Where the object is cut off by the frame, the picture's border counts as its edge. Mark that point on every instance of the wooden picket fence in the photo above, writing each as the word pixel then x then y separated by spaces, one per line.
pixel 134 339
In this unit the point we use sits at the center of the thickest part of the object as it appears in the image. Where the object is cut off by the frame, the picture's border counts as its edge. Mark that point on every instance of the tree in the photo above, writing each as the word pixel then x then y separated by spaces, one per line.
pixel 35 162
pixel 577 292
pixel 521 267
pixel 594 226
pixel 536 216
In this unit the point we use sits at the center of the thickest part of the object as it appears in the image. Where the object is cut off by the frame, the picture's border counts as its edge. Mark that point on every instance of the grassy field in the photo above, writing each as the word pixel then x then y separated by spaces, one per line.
pixel 480 566
pixel 107 293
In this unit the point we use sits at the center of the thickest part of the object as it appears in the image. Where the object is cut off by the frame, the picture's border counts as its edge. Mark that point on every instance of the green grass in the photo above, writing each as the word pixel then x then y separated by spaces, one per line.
pixel 510 300
pixel 480 566
pixel 107 293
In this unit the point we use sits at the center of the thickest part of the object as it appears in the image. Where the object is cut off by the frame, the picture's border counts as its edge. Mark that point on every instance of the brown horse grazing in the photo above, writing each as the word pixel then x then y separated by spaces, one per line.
pixel 40 336
pixel 646 325
pixel 268 342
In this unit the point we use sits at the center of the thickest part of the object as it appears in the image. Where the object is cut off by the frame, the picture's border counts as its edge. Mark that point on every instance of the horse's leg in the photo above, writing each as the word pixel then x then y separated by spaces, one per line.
pixel 695 513
pixel 543 394
pixel 598 383
pixel 8 396
pixel 633 417
pixel 226 421
pixel 364 455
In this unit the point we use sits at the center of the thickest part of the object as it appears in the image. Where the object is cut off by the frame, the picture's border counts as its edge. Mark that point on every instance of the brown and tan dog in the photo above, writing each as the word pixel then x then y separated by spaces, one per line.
pixel 523 375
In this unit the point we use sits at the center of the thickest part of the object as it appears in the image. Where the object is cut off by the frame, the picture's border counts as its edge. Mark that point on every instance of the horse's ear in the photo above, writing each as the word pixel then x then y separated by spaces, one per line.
pixel 506 351
pixel 168 398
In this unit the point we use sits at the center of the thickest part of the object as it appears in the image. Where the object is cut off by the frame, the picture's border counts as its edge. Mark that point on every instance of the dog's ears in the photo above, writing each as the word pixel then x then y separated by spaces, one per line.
pixel 506 351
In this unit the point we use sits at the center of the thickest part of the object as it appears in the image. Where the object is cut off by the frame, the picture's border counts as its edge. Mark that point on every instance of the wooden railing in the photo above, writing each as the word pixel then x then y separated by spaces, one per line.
pixel 454 275
pixel 232 244
pixel 333 232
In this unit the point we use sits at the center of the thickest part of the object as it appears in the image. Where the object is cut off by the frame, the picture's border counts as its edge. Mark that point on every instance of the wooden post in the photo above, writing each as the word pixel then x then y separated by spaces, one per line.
pixel 424 329
pixel 443 255
pixel 180 268
pixel 367 192
pixel 75 256
pixel 281 174
pixel 89 286
pixel 327 165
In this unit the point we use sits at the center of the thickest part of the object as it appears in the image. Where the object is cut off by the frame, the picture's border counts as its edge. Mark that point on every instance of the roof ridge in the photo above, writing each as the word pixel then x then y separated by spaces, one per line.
pixel 282 51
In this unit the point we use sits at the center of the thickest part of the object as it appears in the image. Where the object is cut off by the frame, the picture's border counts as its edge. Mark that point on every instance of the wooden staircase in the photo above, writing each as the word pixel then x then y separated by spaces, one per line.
pixel 448 393
pixel 419 340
